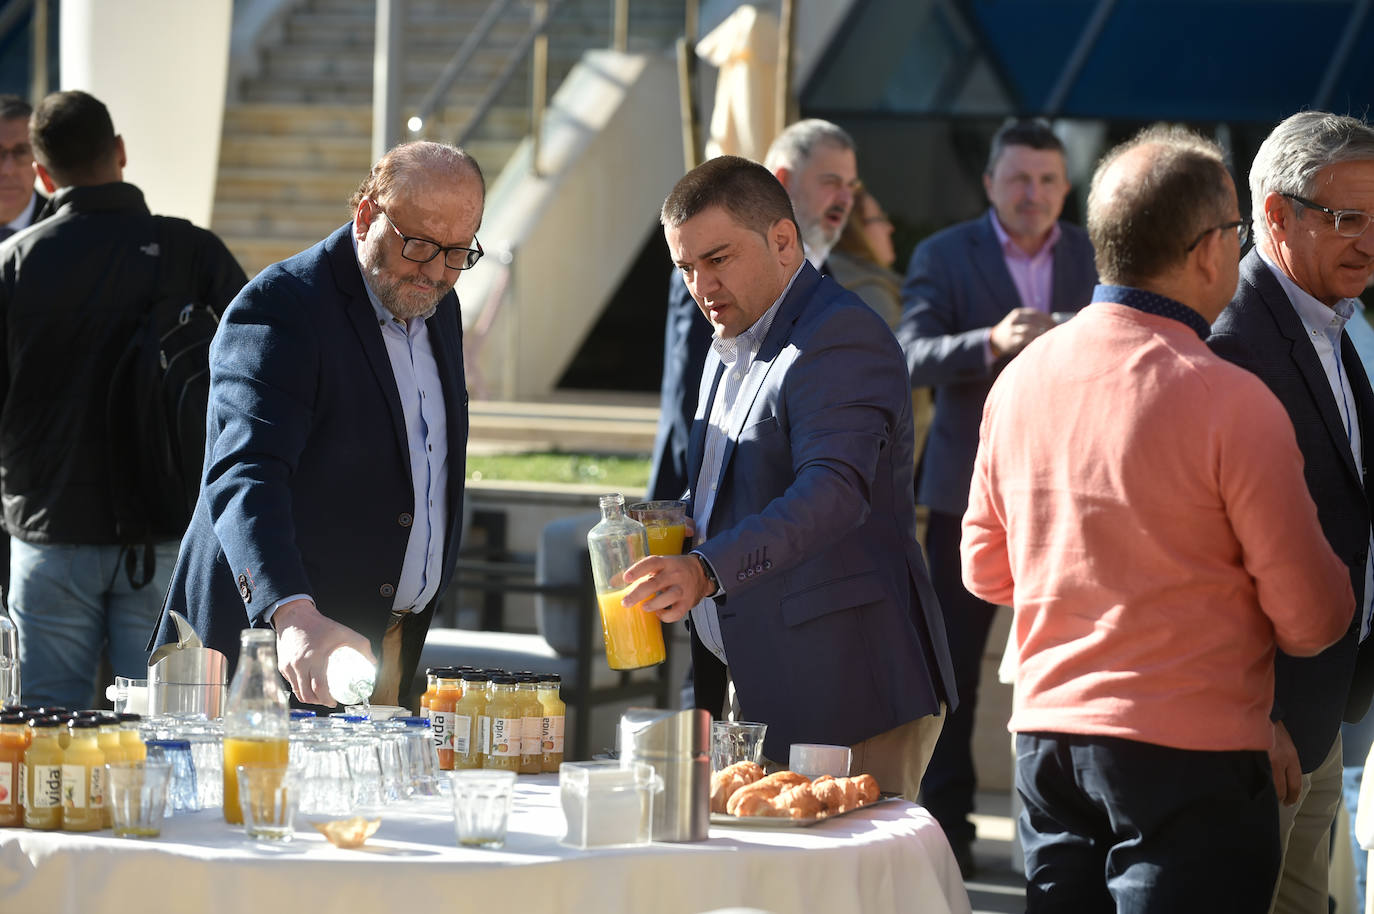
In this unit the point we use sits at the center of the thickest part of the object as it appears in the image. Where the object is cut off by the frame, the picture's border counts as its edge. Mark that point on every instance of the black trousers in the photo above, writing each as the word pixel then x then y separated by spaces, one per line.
pixel 949 784
pixel 1115 825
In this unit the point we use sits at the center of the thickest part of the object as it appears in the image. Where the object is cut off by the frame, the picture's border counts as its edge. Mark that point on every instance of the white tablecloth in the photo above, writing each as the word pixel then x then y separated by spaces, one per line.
pixel 892 857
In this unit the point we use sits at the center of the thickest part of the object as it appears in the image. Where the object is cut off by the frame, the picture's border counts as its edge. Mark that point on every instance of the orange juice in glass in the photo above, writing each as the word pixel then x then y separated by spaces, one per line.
pixel 262 753
pixel 634 636
pixel 665 522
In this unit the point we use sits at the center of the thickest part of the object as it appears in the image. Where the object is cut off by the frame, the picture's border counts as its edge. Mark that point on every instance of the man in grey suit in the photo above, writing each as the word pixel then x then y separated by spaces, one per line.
pixel 975 295
pixel 806 578
pixel 1312 196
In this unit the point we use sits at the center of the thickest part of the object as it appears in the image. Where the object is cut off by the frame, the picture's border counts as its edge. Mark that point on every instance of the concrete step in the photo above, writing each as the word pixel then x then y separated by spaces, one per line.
pixel 271 219
pixel 298 119
pixel 254 254
pixel 287 186
pixel 269 150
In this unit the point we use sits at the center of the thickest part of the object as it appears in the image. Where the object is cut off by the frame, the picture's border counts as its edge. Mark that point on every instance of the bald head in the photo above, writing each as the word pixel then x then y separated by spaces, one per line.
pixel 1150 198
pixel 413 168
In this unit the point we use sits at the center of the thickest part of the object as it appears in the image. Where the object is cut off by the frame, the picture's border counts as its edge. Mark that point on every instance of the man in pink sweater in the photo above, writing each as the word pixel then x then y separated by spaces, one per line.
pixel 1141 505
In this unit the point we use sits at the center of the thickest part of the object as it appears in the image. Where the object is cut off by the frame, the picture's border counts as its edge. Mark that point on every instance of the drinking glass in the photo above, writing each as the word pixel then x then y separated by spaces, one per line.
pixel 364 761
pixel 665 522
pixel 320 767
pixel 267 798
pixel 481 806
pixel 182 794
pixel 816 759
pixel 136 793
pixel 736 741
pixel 424 760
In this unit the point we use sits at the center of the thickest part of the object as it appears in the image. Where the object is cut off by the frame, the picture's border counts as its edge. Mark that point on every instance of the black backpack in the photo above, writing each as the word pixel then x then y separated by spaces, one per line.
pixel 155 417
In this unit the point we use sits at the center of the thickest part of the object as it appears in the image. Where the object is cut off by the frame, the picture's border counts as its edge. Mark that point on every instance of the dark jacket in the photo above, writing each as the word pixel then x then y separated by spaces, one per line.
pixel 307 486
pixel 72 289
pixel 1261 331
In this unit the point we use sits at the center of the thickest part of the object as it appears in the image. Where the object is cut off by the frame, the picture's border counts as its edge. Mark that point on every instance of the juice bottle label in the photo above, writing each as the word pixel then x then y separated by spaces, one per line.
pixel 47 787
pixel 552 735
pixel 74 787
pixel 462 734
pixel 532 736
pixel 484 735
pixel 96 796
pixel 439 721
pixel 506 736
pixel 9 790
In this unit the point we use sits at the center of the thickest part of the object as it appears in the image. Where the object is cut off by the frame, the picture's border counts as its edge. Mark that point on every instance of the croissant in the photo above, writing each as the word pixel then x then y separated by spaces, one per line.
pixel 754 799
pixel 725 782
pixel 843 794
pixel 797 802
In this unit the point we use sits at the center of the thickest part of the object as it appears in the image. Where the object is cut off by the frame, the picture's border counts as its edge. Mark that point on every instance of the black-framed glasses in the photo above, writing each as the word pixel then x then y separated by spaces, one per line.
pixel 422 250
pixel 1240 225
pixel 1350 223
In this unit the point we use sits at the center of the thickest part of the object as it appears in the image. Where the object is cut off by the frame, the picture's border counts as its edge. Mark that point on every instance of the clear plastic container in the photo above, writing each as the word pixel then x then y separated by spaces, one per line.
pixel 606 804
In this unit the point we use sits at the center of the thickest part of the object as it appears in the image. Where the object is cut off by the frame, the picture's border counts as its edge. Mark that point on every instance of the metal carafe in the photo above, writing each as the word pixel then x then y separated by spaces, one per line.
pixel 678 746
pixel 186 677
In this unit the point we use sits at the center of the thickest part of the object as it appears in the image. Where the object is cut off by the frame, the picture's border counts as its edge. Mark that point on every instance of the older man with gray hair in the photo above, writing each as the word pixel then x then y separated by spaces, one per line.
pixel 1312 190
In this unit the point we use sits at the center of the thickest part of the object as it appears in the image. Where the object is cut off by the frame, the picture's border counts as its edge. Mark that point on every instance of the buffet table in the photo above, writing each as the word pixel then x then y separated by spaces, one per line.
pixel 890 857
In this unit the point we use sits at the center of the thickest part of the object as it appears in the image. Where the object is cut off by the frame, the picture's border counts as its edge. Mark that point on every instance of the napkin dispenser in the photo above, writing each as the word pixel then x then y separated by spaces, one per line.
pixel 678 746
pixel 185 676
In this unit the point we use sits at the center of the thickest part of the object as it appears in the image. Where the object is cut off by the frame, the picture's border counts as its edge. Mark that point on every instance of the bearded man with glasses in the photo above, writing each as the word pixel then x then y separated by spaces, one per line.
pixel 1312 192
pixel 332 499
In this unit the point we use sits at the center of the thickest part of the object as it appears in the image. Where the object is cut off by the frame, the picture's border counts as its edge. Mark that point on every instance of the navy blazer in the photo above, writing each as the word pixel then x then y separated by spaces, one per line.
pixel 831 627
pixel 1261 331
pixel 957 286
pixel 686 337
pixel 307 485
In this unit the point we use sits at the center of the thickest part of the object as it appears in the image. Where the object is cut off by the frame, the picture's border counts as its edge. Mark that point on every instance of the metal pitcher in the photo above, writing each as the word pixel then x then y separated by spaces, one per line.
pixel 186 677
pixel 678 746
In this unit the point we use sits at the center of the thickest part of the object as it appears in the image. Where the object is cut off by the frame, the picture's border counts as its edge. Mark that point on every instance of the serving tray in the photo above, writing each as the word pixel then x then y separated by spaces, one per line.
pixel 724 818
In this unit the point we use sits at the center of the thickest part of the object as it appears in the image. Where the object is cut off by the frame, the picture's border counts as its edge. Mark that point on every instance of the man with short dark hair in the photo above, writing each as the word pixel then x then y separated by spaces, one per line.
pixel 332 501
pixel 19 201
pixel 810 605
pixel 1312 195
pixel 815 161
pixel 975 295
pixel 1138 501
pixel 72 291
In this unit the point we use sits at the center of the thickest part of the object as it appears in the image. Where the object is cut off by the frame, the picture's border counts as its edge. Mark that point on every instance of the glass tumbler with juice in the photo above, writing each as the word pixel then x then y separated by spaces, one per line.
pixel 665 522
pixel 256 718
pixel 634 637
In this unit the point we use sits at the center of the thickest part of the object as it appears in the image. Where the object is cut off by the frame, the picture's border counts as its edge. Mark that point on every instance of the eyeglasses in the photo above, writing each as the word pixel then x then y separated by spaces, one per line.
pixel 421 250
pixel 1350 223
pixel 1240 225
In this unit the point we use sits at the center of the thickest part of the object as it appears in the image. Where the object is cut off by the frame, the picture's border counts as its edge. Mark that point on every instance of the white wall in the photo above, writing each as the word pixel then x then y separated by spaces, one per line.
pixel 160 67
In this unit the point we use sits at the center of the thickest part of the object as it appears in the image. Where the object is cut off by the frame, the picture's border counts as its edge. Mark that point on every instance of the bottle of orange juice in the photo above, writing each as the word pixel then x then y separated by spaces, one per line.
pixel 448 692
pixel 129 738
pixel 466 722
pixel 83 778
pixel 431 687
pixel 531 723
pixel 13 742
pixel 506 727
pixel 256 719
pixel 634 636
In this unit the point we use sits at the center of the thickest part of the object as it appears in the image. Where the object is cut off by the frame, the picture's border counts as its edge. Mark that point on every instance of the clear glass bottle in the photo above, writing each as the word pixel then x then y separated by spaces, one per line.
pixel 634 637
pixel 351 676
pixel 256 719
pixel 9 663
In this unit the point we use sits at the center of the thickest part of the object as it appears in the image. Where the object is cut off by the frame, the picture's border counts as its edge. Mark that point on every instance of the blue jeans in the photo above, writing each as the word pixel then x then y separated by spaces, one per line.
pixel 70 601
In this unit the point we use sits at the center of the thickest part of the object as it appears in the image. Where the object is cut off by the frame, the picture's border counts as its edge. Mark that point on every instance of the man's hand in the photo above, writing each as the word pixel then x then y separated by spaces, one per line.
pixel 1015 331
pixel 669 585
pixel 305 639
pixel 1283 758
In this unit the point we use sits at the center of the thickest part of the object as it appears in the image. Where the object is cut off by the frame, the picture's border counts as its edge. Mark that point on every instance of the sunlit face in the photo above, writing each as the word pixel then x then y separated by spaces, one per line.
pixel 1305 243
pixel 877 230
pixel 16 168
pixel 734 274
pixel 1027 188
pixel 822 193
pixel 447 214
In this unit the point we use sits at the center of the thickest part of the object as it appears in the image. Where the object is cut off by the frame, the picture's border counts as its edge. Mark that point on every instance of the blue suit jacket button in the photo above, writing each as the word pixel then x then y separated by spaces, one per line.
pixel 387 590
pixel 245 592
pixel 767 564
pixel 404 519
pixel 740 576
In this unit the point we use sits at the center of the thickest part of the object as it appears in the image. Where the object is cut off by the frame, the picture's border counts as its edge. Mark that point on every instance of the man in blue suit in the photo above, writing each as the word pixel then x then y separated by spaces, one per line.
pixel 975 295
pixel 1312 196
pixel 808 596
pixel 331 503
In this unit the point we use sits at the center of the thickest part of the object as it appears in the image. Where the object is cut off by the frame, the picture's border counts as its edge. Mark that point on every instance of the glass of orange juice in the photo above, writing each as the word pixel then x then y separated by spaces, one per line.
pixel 665 522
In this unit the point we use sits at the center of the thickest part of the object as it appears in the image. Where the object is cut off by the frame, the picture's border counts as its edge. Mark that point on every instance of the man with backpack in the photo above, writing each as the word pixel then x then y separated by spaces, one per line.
pixel 74 291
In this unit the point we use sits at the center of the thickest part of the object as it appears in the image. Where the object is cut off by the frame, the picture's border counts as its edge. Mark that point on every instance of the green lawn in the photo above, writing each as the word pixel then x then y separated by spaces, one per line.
pixel 590 469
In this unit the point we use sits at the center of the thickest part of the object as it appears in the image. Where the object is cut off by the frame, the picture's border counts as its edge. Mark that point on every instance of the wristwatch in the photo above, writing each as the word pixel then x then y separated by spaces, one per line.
pixel 710 575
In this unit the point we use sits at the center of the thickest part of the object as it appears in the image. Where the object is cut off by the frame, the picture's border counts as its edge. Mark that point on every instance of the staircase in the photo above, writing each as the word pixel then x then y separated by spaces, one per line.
pixel 297 134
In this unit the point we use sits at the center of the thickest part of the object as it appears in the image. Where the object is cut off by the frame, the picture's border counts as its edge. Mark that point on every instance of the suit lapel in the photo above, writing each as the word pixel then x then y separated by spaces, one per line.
pixel 349 279
pixel 1304 357
pixel 446 335
pixel 1364 398
pixel 696 446
pixel 1063 279
pixel 992 268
